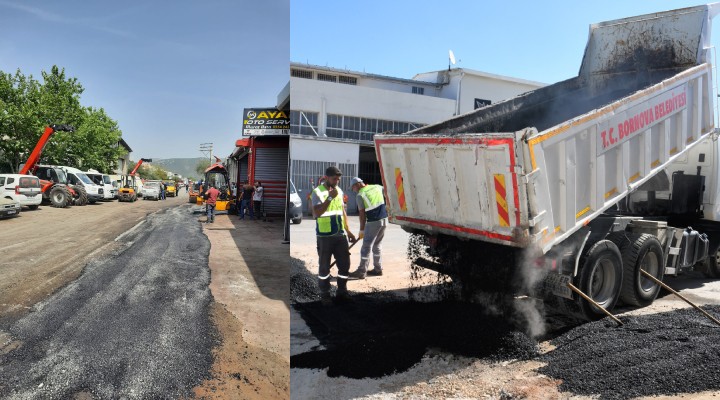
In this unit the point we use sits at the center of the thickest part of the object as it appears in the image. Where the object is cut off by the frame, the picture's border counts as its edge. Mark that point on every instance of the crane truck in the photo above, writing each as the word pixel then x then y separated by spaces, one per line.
pixel 586 182
pixel 130 187
pixel 53 181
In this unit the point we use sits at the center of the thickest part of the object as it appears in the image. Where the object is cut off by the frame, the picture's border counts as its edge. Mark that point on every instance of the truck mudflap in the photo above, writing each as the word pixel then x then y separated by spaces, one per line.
pixel 463 185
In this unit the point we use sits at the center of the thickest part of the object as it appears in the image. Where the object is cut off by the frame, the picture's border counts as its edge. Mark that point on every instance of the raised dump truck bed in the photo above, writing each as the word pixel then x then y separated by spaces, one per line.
pixel 532 170
pixel 586 181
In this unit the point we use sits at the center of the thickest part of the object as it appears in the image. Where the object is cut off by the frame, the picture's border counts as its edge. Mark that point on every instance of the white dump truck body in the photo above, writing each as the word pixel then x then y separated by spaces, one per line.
pixel 531 171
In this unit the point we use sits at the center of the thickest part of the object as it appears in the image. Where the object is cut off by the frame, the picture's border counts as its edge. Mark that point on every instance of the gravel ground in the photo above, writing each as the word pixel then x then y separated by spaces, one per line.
pixel 133 325
pixel 660 354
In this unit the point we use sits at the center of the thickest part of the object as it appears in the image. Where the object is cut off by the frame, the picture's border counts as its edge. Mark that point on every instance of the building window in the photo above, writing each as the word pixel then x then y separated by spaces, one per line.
pixel 363 129
pixel 326 77
pixel 301 73
pixel 303 123
pixel 418 90
pixel 348 80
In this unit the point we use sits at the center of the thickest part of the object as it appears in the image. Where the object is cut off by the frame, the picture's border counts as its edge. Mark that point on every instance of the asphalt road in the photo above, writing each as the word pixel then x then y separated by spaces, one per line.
pixel 135 324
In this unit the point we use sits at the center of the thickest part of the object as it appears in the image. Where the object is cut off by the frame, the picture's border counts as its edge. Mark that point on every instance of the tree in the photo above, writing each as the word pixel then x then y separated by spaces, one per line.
pixel 27 106
pixel 201 166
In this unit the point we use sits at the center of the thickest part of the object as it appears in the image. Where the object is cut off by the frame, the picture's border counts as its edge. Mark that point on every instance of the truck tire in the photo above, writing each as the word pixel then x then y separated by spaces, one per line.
pixel 297 221
pixel 60 197
pixel 80 198
pixel 639 251
pixel 712 265
pixel 600 277
pixel 193 199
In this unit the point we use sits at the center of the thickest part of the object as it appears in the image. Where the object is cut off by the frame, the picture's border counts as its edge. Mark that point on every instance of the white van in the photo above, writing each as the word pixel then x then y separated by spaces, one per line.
pixel 77 177
pixel 25 189
pixel 109 191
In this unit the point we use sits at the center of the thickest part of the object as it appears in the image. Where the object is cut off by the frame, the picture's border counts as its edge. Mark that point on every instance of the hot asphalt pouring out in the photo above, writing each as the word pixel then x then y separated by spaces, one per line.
pixel 383 333
pixel 132 325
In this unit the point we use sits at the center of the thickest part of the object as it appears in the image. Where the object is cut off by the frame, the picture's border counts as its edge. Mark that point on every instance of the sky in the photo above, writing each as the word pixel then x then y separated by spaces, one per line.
pixel 174 74
pixel 540 41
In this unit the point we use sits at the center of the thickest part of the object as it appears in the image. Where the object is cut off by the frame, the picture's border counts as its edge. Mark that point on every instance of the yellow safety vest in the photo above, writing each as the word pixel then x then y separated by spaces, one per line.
pixel 374 202
pixel 331 221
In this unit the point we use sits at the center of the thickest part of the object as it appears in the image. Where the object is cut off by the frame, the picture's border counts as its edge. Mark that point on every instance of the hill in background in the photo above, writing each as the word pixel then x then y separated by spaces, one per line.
pixel 182 166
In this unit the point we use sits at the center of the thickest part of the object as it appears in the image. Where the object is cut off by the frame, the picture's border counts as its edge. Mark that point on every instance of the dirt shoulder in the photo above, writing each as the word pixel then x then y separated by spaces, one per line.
pixel 249 282
pixel 43 250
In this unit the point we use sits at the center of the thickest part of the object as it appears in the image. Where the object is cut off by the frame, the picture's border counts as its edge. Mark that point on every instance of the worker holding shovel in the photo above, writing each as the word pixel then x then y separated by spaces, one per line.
pixel 332 233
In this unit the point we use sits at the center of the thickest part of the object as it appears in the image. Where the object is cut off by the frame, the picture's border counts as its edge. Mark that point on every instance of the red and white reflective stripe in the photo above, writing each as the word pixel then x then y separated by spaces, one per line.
pixel 324 277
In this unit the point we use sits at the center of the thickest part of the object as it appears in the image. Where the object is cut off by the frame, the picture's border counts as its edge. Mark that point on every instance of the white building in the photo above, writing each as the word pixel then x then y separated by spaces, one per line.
pixel 335 113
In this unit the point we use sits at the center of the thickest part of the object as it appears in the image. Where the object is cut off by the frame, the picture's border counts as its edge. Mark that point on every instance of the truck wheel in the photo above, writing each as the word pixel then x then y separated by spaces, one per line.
pixel 639 251
pixel 60 197
pixel 599 277
pixel 80 198
pixel 712 265
pixel 193 199
pixel 297 221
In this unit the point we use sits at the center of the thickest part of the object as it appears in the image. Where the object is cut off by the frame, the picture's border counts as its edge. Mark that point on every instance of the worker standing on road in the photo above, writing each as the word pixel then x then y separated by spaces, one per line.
pixel 331 229
pixel 162 191
pixel 373 220
pixel 258 197
pixel 246 202
pixel 211 196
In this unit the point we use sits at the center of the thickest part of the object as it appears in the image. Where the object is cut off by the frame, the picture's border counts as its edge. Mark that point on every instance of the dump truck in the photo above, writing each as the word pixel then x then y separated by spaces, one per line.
pixel 582 183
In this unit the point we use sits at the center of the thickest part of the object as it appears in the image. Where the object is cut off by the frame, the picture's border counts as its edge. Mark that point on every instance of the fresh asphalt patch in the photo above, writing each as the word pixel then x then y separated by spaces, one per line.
pixel 134 325
pixel 379 333
pixel 659 354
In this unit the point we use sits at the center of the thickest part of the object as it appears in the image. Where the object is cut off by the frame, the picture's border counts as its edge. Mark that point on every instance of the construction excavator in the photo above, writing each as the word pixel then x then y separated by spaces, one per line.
pixel 53 181
pixel 129 186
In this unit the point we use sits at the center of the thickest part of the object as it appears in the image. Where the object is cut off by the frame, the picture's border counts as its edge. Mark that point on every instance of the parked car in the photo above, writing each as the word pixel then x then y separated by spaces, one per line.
pixel 25 189
pixel 151 190
pixel 9 208
pixel 295 211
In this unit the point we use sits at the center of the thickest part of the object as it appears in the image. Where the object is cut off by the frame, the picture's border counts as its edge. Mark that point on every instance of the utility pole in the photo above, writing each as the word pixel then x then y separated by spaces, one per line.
pixel 206 149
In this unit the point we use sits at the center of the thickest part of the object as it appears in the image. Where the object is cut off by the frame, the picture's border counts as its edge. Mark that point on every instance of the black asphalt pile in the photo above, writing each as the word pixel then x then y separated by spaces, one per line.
pixel 379 334
pixel 303 284
pixel 659 354
pixel 134 325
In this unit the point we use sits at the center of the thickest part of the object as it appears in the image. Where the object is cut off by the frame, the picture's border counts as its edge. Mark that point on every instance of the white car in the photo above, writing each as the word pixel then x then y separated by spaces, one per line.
pixel 151 190
pixel 9 208
pixel 295 210
pixel 24 189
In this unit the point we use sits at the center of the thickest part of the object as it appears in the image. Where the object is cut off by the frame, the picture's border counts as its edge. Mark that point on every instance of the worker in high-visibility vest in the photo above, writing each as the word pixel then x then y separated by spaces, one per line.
pixel 373 220
pixel 331 229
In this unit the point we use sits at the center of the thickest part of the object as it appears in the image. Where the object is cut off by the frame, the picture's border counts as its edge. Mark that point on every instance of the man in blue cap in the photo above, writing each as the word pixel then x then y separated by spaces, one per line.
pixel 373 220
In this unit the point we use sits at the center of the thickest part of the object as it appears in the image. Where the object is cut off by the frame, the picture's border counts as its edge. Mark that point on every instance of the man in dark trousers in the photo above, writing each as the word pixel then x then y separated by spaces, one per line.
pixel 211 196
pixel 332 233
pixel 246 201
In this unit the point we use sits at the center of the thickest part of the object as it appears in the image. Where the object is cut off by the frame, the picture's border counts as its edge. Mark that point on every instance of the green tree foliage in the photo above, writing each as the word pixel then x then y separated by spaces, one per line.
pixel 148 171
pixel 27 106
pixel 202 165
